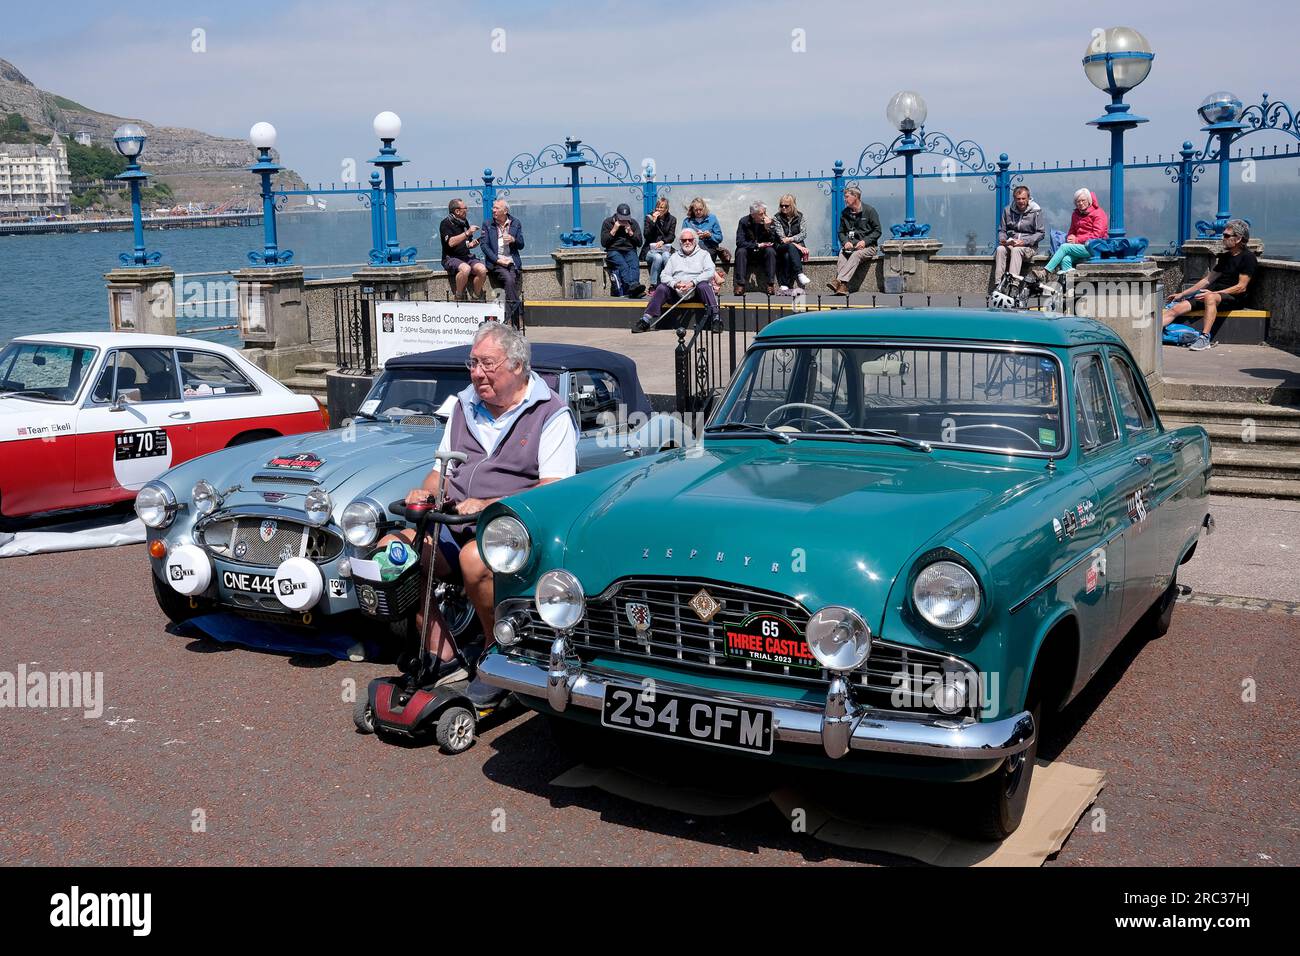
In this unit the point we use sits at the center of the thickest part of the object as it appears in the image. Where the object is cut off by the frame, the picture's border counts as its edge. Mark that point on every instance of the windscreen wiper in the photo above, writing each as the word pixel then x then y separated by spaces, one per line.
pixel 28 391
pixel 888 434
pixel 757 429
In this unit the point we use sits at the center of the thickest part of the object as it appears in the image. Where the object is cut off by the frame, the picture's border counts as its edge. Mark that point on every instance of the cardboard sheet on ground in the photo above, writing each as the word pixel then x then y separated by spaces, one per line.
pixel 1058 795
pixel 268 636
pixel 74 536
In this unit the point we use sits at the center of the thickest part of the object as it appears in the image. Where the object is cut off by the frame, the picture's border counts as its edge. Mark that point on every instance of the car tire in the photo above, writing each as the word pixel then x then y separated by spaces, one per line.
pixel 1160 617
pixel 175 606
pixel 997 802
pixel 455 731
pixel 363 716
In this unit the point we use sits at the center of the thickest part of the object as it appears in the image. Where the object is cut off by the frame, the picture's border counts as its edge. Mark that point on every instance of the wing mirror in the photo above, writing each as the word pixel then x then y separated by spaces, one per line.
pixel 123 398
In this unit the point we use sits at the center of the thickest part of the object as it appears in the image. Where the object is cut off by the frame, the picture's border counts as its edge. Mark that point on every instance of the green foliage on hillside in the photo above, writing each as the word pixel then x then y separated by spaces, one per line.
pixel 63 103
pixel 92 162
pixel 14 123
pixel 159 195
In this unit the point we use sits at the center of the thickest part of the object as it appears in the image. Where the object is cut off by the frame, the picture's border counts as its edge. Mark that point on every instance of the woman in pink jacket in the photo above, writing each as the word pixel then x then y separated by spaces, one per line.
pixel 1088 222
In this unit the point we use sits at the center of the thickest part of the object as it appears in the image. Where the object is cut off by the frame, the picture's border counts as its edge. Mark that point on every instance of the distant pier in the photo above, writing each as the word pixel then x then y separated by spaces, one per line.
pixel 199 221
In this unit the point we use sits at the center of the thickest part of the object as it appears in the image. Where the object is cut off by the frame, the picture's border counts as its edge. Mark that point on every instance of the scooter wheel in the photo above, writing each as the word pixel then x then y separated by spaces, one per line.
pixel 363 716
pixel 455 731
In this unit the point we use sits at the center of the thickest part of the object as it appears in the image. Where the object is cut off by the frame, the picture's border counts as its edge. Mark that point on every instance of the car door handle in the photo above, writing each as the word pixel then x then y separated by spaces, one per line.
pixel 181 415
pixel 1143 460
pixel 1176 443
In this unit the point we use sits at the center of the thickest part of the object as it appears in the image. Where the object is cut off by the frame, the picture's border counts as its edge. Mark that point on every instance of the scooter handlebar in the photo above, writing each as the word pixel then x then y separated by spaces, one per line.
pixel 424 510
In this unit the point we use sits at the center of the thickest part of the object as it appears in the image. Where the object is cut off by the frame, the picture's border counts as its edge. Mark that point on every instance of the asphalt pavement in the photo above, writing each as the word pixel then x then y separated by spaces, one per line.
pixel 209 755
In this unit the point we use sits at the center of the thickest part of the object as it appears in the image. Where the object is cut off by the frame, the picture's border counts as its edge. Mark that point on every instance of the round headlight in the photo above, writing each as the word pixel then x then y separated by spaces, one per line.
pixel 155 505
pixel 204 497
pixel 947 595
pixel 505 545
pixel 838 638
pixel 361 523
pixel 318 506
pixel 560 600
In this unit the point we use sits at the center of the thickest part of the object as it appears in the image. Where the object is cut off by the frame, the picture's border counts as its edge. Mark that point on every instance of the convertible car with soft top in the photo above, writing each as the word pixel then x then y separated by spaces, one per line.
pixel 906 540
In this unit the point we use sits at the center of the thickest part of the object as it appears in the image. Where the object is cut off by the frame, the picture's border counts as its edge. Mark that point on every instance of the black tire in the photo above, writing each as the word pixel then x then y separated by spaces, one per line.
pixel 1160 617
pixel 245 438
pixel 176 606
pixel 455 733
pixel 997 802
pixel 363 718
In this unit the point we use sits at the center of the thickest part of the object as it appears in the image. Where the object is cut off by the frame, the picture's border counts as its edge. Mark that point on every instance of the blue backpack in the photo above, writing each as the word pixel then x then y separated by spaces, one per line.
pixel 1176 334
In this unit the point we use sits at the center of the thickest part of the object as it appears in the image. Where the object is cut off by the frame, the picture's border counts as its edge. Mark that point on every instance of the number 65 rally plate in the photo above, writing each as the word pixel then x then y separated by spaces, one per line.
pixel 711 722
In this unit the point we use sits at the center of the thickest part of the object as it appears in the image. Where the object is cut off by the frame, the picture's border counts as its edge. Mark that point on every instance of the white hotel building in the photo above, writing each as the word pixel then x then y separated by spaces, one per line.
pixel 34 180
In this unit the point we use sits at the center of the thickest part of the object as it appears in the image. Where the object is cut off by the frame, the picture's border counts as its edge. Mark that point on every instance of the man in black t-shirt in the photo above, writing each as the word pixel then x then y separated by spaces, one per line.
pixel 1226 286
pixel 458 244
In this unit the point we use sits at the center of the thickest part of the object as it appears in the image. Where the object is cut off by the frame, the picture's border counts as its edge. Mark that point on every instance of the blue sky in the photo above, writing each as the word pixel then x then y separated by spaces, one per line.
pixel 700 87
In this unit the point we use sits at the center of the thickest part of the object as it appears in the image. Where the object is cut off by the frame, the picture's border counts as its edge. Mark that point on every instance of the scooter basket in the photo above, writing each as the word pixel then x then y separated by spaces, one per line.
pixel 390 600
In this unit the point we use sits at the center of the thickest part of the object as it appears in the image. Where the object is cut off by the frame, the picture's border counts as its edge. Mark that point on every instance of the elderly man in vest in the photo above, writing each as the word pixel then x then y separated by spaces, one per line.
pixel 518 434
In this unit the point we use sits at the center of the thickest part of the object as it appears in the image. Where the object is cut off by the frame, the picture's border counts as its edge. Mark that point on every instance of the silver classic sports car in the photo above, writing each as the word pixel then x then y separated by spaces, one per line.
pixel 286 528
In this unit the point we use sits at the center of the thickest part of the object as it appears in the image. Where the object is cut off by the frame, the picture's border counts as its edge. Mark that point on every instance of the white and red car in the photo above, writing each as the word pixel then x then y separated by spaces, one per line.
pixel 86 418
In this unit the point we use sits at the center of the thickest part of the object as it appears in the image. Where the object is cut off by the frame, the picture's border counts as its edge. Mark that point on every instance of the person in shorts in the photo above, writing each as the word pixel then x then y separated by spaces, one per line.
pixel 458 244
pixel 1224 287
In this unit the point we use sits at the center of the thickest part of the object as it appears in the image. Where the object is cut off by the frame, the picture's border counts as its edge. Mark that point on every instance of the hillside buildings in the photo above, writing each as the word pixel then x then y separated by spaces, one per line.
pixel 34 180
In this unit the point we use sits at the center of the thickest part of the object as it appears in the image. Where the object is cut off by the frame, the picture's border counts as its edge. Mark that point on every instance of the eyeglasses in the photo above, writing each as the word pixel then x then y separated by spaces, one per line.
pixel 687 242
pixel 1229 235
pixel 785 205
pixel 489 367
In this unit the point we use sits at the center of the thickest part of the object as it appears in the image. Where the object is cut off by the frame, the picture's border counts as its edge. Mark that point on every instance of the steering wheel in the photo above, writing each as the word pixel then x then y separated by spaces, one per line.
pixel 1008 428
pixel 817 408
pixel 415 403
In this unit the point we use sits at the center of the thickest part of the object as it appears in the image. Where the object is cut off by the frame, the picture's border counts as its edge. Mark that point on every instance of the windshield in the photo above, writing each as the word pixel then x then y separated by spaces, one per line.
pixel 44 371
pixel 413 391
pixel 989 399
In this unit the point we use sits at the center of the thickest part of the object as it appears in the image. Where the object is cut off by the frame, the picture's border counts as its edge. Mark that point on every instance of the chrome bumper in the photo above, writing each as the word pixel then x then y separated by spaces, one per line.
pixel 839 727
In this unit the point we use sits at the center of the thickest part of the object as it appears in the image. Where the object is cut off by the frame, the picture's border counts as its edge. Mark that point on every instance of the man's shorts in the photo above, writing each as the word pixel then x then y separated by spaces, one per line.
pixel 452 540
pixel 452 264
pixel 1226 302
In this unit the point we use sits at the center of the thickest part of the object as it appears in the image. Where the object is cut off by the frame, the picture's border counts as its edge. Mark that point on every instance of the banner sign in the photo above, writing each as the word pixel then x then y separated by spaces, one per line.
pixel 404 328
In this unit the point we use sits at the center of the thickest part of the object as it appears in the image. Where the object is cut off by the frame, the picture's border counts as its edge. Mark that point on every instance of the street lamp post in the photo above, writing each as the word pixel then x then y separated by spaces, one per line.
pixel 1221 113
pixel 1118 60
pixel 262 136
pixel 906 112
pixel 129 140
pixel 387 126
pixel 574 160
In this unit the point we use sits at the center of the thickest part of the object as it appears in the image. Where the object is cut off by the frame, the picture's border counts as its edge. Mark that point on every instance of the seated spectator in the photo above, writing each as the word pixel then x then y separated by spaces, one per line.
pixel 503 238
pixel 1019 235
pixel 707 228
pixel 690 269
pixel 1226 286
pixel 859 236
pixel 1089 221
pixel 621 238
pixel 458 245
pixel 660 230
pixel 756 238
pixel 792 251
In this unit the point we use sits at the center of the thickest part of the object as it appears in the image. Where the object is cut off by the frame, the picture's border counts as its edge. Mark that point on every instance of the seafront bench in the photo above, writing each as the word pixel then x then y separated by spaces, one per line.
pixel 1248 326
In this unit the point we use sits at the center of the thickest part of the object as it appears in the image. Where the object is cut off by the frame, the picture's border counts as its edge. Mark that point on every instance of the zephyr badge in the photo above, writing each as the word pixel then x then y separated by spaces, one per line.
pixel 704 606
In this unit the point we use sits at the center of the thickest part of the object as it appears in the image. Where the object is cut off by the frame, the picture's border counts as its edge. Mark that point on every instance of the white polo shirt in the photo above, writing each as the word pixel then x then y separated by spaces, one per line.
pixel 557 450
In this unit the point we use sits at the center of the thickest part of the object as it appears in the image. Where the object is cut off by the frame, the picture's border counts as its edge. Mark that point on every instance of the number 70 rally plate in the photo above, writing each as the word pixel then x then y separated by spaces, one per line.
pixel 711 722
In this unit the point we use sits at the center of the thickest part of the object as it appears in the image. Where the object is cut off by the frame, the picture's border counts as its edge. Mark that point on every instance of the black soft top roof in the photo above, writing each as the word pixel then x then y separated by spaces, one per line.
pixel 547 357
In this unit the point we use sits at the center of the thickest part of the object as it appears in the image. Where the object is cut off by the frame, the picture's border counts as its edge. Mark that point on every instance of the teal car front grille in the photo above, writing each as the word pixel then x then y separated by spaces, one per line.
pixel 677 636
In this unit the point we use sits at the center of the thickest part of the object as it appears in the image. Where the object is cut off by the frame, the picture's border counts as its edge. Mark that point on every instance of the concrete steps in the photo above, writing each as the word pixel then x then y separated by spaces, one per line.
pixel 1255 446
pixel 309 379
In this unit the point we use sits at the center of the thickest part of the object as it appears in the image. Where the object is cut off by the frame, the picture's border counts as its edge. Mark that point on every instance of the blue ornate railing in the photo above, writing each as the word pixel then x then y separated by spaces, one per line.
pixel 964 163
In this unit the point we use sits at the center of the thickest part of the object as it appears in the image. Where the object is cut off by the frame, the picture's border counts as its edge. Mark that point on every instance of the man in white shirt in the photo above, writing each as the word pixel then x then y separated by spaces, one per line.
pixel 505 398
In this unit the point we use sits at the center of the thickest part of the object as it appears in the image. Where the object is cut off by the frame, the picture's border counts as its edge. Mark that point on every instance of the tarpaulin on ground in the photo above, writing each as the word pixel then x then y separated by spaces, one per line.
pixel 283 639
pixel 77 535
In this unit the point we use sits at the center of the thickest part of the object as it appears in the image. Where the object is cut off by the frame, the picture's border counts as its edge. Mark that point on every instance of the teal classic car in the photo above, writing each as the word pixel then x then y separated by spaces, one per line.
pixel 906 539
